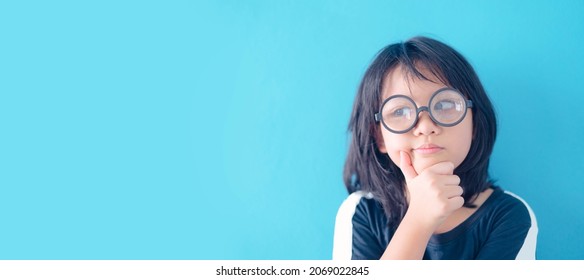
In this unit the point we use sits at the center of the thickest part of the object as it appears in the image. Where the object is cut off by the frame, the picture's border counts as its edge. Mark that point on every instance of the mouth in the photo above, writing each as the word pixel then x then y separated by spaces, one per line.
pixel 427 149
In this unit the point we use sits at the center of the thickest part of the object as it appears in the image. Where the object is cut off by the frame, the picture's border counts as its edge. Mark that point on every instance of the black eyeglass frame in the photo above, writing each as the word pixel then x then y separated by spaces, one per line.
pixel 379 117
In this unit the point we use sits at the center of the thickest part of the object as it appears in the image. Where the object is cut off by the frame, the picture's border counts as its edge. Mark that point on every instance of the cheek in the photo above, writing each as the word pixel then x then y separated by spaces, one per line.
pixel 461 144
pixel 395 143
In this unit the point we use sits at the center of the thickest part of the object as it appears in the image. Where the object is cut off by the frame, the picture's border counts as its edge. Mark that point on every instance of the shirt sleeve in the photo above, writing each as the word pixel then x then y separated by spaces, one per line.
pixel 366 239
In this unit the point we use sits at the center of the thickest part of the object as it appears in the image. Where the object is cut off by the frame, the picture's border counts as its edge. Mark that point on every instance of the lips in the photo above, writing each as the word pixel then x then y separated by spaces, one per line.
pixel 428 149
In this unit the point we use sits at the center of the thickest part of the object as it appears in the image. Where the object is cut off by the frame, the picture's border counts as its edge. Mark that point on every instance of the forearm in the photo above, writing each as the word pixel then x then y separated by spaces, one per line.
pixel 409 241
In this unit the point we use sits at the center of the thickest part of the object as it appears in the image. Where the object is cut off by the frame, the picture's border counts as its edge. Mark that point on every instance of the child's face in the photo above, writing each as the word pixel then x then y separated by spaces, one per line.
pixel 427 143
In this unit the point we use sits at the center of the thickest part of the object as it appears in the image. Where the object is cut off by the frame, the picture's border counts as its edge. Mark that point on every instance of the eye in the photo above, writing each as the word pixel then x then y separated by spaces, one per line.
pixel 398 109
pixel 400 112
pixel 447 105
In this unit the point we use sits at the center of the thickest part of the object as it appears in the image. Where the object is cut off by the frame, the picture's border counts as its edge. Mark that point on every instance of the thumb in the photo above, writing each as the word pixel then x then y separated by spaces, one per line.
pixel 405 164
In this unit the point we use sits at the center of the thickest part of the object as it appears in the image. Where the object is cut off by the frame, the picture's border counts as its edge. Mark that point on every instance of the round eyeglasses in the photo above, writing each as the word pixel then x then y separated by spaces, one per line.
pixel 399 113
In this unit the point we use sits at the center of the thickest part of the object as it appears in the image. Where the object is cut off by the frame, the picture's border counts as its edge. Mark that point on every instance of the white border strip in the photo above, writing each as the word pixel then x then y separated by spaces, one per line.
pixel 343 239
pixel 528 249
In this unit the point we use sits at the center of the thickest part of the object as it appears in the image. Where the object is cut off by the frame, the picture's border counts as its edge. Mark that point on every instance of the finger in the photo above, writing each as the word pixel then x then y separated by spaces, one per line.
pixel 451 180
pixel 456 202
pixel 443 168
pixel 405 164
pixel 452 191
pixel 445 180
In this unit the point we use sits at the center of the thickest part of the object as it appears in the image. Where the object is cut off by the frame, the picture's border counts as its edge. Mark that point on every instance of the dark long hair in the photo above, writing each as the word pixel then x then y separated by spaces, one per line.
pixel 370 170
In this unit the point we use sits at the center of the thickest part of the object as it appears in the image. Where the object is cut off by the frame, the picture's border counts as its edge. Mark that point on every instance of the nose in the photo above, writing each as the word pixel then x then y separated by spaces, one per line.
pixel 425 125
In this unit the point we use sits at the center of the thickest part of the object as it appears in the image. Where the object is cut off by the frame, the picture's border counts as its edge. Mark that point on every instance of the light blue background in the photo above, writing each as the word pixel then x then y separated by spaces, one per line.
pixel 217 129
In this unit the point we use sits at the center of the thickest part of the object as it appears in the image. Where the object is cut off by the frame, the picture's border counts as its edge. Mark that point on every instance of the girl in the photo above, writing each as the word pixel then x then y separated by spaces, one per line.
pixel 422 131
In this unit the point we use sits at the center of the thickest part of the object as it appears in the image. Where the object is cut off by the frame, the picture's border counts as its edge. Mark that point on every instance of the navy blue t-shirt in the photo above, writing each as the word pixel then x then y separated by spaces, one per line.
pixel 498 229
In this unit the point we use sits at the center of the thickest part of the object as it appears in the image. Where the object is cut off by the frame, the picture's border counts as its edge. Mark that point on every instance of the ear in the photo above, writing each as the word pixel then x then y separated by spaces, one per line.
pixel 379 141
